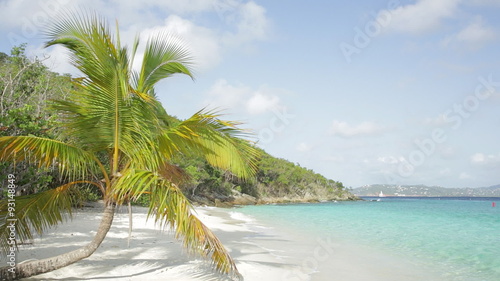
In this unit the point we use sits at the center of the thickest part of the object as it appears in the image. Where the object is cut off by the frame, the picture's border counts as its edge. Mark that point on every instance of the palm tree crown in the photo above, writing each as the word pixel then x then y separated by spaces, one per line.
pixel 116 135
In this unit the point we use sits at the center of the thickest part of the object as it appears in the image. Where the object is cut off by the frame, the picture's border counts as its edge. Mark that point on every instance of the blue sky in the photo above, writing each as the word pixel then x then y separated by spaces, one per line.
pixel 399 92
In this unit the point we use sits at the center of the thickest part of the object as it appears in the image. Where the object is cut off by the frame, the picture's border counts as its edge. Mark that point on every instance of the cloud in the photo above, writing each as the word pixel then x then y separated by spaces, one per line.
pixel 445 172
pixel 30 16
pixel 474 35
pixel 465 176
pixel 203 42
pixel 57 59
pixel 438 121
pixel 224 95
pixel 260 103
pixel 446 151
pixel 209 44
pixel 343 129
pixel 390 159
pixel 15 13
pixel 252 24
pixel 421 17
pixel 175 6
pixel 303 147
pixel 336 159
pixel 485 159
pixel 243 23
pixel 254 101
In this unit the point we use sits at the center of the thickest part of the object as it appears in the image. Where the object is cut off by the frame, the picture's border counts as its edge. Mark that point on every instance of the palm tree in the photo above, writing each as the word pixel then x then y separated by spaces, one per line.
pixel 115 135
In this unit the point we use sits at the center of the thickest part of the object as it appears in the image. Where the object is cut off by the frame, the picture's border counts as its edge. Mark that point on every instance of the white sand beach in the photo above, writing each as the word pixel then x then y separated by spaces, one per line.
pixel 261 252
pixel 155 254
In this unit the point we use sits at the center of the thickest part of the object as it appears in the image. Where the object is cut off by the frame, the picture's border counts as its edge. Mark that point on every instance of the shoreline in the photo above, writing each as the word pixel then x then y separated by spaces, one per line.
pixel 262 252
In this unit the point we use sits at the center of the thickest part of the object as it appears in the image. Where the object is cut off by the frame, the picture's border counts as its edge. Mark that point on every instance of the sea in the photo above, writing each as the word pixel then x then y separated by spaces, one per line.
pixel 457 237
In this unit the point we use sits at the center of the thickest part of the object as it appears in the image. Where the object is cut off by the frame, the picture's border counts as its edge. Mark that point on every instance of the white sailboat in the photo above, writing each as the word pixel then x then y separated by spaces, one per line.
pixel 381 194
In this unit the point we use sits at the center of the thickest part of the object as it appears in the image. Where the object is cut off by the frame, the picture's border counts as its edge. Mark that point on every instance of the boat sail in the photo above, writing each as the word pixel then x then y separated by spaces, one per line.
pixel 381 194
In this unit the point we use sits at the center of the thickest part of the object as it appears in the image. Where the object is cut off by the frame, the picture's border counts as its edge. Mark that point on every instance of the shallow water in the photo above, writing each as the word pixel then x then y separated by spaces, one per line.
pixel 455 239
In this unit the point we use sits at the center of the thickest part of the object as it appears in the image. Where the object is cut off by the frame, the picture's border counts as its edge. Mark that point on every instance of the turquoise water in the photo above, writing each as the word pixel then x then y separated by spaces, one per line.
pixel 460 237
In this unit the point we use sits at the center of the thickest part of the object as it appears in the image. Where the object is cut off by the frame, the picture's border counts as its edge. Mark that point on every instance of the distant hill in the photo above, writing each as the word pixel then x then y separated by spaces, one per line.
pixel 423 190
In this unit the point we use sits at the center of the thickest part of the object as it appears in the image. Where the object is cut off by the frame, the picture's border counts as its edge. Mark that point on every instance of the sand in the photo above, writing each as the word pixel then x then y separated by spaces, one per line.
pixel 155 254
pixel 262 253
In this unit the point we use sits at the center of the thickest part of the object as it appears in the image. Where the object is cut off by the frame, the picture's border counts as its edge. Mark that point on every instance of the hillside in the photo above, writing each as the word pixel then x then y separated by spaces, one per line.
pixel 423 190
pixel 277 181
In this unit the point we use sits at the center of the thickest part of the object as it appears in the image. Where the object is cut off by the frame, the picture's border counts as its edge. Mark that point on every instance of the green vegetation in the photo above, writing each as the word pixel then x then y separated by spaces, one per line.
pixel 25 86
pixel 277 181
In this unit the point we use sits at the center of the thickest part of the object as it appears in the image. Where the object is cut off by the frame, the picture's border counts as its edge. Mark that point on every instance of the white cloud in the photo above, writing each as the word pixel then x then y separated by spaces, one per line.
pixel 202 41
pixel 388 160
pixel 438 121
pixel 421 17
pixel 260 103
pixel 252 24
pixel 465 176
pixel 343 129
pixel 29 15
pixel 303 147
pixel 254 101
pixel 17 13
pixel 446 151
pixel 224 95
pixel 474 35
pixel 485 159
pixel 248 22
pixel 476 32
pixel 445 172
pixel 478 158
pixel 175 6
pixel 57 59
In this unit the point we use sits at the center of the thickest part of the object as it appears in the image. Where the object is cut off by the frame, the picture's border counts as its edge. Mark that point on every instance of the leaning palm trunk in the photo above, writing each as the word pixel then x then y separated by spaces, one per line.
pixel 31 268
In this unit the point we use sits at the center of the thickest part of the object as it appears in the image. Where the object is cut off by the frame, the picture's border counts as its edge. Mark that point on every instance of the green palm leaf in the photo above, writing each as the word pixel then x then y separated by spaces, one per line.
pixel 164 56
pixel 204 134
pixel 36 213
pixel 171 209
pixel 70 160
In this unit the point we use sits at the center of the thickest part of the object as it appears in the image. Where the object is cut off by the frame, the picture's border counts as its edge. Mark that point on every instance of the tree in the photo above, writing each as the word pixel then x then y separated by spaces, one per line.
pixel 115 134
pixel 25 86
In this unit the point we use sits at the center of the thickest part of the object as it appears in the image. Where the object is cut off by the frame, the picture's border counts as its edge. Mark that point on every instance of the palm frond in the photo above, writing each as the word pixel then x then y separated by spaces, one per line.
pixel 132 184
pixel 87 37
pixel 171 209
pixel 106 68
pixel 70 160
pixel 218 141
pixel 35 214
pixel 164 56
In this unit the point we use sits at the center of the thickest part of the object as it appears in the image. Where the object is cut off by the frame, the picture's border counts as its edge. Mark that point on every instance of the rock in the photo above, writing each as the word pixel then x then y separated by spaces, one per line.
pixel 244 199
pixel 221 204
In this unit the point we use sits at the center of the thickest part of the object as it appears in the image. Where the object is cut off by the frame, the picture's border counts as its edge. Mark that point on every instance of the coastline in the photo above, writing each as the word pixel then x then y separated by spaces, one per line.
pixel 262 252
